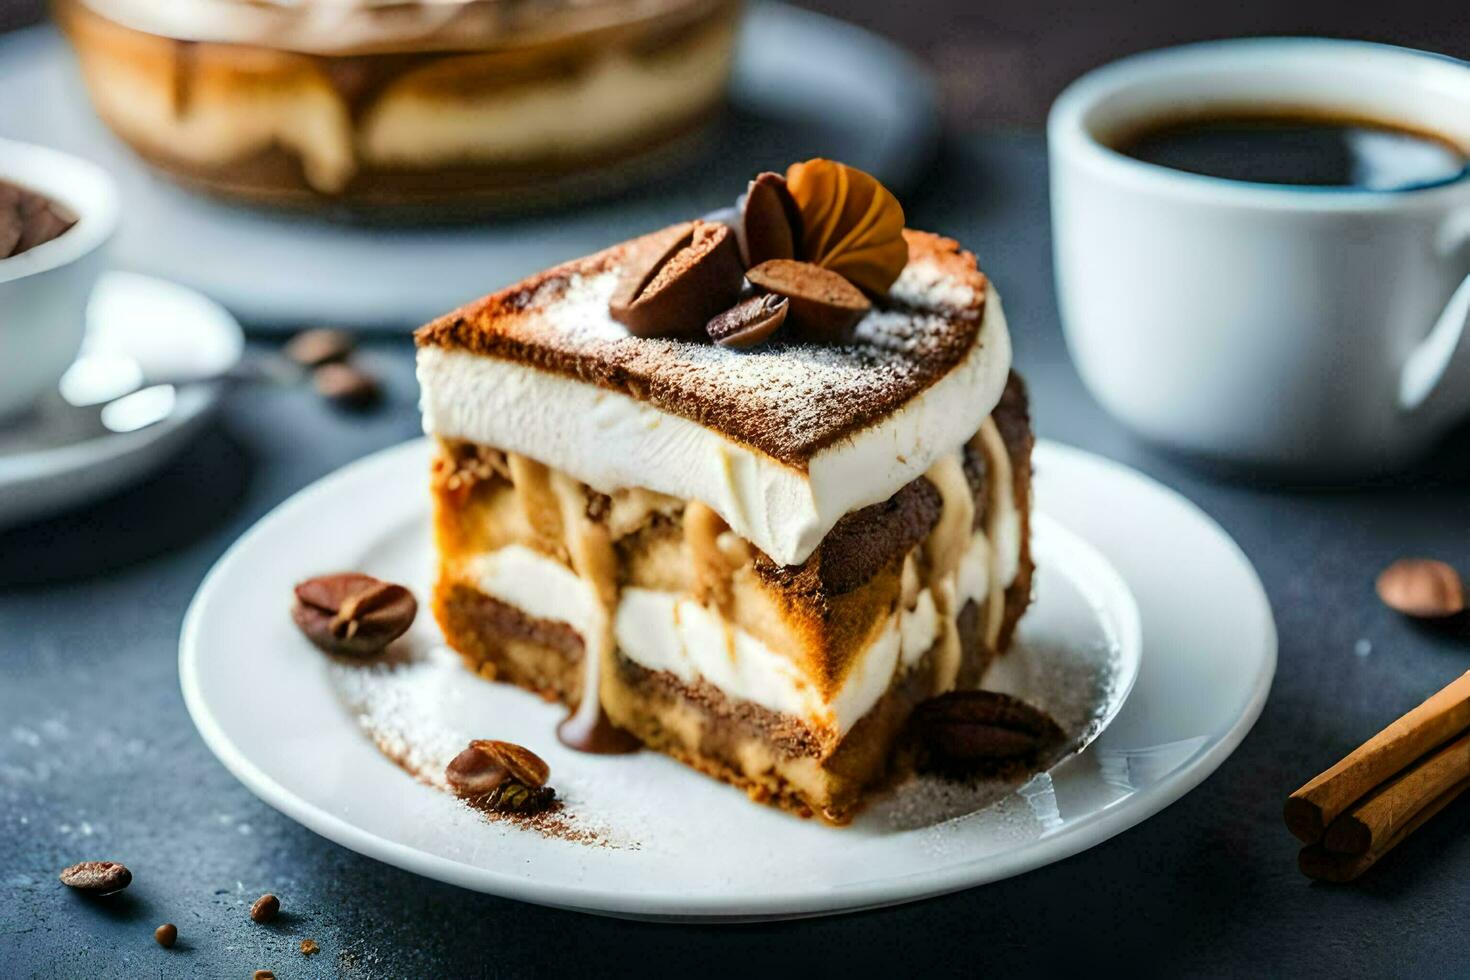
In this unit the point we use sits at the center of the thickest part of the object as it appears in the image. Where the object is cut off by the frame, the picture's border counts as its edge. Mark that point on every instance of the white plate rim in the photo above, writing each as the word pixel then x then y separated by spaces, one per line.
pixel 1085 832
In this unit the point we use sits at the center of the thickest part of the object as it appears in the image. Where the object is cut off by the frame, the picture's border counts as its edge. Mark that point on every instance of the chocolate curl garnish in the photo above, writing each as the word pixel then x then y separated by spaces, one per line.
pixel 850 223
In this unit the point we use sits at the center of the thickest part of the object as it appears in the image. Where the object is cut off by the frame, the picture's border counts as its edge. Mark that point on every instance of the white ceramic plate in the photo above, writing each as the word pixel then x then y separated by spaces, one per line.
pixel 60 457
pixel 286 721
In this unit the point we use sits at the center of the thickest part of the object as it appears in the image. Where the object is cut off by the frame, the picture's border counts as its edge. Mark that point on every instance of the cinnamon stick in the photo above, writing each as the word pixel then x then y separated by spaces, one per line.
pixel 1446 714
pixel 1317 862
pixel 1372 822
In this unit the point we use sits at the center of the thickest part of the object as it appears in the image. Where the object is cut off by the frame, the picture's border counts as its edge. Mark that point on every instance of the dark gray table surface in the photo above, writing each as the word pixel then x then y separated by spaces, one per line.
pixel 98 758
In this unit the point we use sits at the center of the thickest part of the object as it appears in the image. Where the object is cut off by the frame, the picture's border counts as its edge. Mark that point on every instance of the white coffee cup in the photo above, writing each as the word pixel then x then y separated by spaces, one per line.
pixel 1298 329
pixel 44 290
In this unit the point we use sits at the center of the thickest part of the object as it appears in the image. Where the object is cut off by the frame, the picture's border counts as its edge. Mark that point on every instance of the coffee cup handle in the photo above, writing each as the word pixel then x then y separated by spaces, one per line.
pixel 1435 380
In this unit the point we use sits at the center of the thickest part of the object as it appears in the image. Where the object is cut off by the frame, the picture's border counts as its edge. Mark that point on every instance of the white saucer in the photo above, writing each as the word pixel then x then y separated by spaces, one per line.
pixel 57 457
pixel 673 844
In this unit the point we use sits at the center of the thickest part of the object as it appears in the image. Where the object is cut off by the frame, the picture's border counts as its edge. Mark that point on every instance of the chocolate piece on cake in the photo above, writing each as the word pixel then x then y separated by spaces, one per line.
pixel 757 561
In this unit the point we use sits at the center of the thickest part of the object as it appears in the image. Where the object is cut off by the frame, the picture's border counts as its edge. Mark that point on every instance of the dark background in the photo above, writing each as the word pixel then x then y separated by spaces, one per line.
pixel 1003 61
pixel 98 758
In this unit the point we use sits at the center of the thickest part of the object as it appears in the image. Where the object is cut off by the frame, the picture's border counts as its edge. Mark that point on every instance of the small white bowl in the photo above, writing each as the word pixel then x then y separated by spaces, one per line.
pixel 44 290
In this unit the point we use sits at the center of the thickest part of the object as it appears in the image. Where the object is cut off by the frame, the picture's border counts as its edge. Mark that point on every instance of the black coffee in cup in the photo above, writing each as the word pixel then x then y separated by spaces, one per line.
pixel 1291 147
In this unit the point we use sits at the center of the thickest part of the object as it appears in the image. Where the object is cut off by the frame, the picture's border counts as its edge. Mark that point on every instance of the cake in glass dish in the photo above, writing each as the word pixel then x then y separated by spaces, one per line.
pixel 453 106
pixel 745 490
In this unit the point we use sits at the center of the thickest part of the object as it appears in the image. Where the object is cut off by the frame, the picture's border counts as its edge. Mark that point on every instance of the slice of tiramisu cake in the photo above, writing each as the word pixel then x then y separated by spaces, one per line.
pixel 745 490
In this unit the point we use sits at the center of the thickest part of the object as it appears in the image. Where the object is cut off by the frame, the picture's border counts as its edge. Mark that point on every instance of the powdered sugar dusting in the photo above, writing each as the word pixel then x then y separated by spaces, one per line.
pixel 399 702
pixel 927 286
pixel 792 397
pixel 1076 682
pixel 788 399
pixel 408 706
pixel 577 307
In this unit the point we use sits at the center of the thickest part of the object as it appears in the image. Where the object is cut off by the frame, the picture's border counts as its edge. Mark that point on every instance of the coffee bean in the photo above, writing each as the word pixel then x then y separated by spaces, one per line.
pixel 309 947
pixel 521 762
pixel 475 772
pixel 676 291
pixel 352 614
pixel 166 935
pixel 750 322
pixel 40 228
pixel 1422 588
pixel 644 257
pixel 265 908
pixel 28 219
pixel 768 220
pixel 488 765
pixel 97 877
pixel 824 307
pixel 963 729
pixel 321 345
pixel 347 385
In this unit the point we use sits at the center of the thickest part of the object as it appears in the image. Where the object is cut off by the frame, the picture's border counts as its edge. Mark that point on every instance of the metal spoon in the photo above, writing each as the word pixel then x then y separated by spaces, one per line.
pixel 127 398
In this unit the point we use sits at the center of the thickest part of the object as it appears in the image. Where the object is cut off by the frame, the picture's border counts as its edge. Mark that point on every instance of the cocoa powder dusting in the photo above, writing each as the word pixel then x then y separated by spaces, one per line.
pixel 397 706
pixel 789 400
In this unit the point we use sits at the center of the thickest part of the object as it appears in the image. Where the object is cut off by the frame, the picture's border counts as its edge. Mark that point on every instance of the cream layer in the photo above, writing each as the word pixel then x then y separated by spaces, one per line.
pixel 671 632
pixel 616 98
pixel 611 441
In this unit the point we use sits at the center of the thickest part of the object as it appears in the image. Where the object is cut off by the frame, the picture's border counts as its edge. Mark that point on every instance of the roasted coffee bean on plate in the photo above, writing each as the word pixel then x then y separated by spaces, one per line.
pixel 486 763
pixel 501 776
pixel 352 614
pixel 975 729
pixel 475 772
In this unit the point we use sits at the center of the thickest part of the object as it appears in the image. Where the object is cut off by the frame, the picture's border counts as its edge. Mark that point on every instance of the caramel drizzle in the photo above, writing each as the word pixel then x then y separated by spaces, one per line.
pixel 1000 486
pixel 944 549
pixel 590 549
pixel 182 81
pixel 555 507
pixel 710 579
pixel 539 504
pixel 712 565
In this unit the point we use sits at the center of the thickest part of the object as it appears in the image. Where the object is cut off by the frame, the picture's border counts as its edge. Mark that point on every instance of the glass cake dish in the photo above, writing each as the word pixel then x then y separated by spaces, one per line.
pixel 453 106
pixel 757 556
